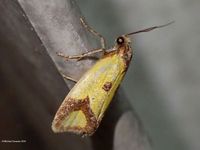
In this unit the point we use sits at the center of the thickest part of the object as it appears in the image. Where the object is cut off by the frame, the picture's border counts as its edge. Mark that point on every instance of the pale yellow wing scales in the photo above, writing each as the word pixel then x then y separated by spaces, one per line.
pixel 71 120
pixel 116 83
pixel 84 106
pixel 109 69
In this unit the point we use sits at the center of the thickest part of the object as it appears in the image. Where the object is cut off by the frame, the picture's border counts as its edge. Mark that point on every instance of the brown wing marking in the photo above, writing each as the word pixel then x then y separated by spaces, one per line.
pixel 71 105
pixel 107 86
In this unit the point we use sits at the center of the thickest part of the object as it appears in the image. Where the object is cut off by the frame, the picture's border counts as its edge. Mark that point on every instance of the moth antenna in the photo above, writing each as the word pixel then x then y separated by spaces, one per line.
pixel 151 28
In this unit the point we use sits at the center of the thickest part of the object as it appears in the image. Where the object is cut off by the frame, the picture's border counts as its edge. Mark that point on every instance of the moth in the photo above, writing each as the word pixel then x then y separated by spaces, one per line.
pixel 84 107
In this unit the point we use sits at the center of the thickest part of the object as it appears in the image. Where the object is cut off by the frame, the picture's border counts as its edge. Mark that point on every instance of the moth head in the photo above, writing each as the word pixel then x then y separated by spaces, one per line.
pixel 123 40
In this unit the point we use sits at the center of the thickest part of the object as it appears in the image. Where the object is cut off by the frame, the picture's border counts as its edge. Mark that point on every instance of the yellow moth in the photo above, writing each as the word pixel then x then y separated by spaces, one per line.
pixel 83 108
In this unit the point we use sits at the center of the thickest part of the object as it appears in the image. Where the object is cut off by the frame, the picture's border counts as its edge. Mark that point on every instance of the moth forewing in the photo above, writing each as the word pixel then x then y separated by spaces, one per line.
pixel 83 108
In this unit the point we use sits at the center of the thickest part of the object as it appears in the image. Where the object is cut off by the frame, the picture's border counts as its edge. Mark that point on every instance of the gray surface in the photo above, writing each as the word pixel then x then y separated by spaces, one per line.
pixel 130 139
pixel 59 29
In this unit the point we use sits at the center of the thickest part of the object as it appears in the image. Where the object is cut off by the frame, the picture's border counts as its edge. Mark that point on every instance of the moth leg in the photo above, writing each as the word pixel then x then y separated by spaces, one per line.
pixel 79 57
pixel 102 40
pixel 93 51
pixel 68 77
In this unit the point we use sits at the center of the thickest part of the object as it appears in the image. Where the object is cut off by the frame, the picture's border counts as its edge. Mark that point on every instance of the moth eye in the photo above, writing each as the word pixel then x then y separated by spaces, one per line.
pixel 120 40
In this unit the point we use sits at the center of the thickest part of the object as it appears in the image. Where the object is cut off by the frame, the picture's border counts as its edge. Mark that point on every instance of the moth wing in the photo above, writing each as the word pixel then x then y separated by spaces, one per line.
pixel 84 106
